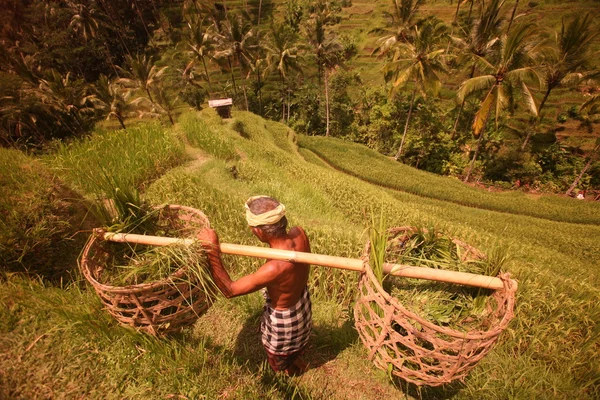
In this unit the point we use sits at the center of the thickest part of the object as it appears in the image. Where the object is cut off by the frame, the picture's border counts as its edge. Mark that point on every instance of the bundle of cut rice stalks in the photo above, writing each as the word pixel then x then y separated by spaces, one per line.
pixel 430 333
pixel 155 289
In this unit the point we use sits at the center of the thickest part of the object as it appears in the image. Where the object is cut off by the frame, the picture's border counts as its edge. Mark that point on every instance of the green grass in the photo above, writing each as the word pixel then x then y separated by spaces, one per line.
pixel 35 216
pixel 377 169
pixel 53 339
pixel 136 156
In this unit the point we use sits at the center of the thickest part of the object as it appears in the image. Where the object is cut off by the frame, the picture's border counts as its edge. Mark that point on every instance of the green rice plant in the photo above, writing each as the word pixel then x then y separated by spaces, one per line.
pixel 378 238
pixel 210 137
pixel 366 164
pixel 136 156
pixel 33 219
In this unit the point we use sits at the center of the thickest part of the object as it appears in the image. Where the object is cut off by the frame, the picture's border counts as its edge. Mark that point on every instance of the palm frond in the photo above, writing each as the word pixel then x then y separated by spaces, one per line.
pixel 483 113
pixel 475 85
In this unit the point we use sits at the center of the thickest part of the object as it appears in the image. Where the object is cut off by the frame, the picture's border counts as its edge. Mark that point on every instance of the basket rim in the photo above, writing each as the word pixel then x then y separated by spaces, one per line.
pixel 140 287
pixel 509 290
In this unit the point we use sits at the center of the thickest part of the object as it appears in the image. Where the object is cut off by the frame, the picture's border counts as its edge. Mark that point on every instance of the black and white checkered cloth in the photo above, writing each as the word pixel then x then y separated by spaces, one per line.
pixel 286 331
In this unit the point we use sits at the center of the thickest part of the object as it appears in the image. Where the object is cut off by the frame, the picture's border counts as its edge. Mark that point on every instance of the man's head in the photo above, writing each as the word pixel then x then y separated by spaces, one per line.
pixel 266 215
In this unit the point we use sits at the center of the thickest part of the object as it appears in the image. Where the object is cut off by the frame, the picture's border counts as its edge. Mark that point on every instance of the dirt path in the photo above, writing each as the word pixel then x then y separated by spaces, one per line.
pixel 196 157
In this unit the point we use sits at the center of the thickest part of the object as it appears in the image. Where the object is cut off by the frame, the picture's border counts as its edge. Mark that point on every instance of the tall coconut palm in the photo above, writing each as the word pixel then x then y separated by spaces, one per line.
pixel 332 57
pixel 399 23
pixel 569 53
pixel 418 63
pixel 478 41
pixel 201 45
pixel 141 74
pixel 322 14
pixel 282 56
pixel 512 68
pixel 112 100
pixel 236 41
pixel 68 98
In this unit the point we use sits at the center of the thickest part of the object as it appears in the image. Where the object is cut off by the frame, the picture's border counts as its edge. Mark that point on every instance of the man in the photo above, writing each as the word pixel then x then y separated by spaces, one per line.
pixel 287 318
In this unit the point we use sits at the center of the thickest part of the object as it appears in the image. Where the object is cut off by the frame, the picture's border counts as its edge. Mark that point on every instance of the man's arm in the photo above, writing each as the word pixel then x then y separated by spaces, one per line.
pixel 247 284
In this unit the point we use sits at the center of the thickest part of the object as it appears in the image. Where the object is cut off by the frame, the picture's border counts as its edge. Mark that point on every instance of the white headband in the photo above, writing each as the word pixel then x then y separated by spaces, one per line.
pixel 266 218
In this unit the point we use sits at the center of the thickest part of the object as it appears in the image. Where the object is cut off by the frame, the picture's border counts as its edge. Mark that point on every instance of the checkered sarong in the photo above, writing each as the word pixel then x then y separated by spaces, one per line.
pixel 286 331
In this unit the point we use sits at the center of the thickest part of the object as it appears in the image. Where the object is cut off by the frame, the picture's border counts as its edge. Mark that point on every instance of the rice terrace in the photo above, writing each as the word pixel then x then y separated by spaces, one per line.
pixel 306 199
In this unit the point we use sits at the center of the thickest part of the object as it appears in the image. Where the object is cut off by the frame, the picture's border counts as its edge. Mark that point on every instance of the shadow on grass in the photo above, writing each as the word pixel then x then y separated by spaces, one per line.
pixel 444 392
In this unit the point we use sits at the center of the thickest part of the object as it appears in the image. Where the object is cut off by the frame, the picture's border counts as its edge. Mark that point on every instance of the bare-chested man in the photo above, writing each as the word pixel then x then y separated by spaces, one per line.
pixel 287 318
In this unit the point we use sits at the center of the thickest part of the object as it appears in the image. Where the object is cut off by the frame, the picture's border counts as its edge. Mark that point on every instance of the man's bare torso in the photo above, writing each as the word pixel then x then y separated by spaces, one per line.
pixel 288 288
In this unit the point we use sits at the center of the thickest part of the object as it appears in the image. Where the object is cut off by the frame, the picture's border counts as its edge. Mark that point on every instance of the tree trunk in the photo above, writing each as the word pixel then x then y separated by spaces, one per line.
pixel 260 107
pixel 474 156
pixel 326 75
pixel 120 118
pixel 149 95
pixel 544 99
pixel 512 17
pixel 259 11
pixel 583 171
pixel 289 107
pixel 282 96
pixel 457 8
pixel 232 76
pixel 412 101
pixel 462 105
pixel 477 149
pixel 207 76
pixel 245 96
pixel 470 11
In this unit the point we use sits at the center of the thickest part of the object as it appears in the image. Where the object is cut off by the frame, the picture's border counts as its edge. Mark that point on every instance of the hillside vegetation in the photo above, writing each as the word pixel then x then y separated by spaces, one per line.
pixel 57 342
pixel 501 92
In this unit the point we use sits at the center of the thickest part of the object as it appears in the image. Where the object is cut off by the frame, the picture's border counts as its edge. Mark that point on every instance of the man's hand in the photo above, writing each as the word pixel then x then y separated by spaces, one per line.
pixel 209 240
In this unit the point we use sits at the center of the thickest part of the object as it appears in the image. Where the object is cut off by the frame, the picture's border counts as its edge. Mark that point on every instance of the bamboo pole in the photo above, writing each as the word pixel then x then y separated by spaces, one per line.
pixel 352 264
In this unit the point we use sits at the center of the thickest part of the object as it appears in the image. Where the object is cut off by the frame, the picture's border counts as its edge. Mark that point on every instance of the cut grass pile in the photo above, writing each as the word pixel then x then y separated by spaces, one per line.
pixel 457 307
pixel 360 161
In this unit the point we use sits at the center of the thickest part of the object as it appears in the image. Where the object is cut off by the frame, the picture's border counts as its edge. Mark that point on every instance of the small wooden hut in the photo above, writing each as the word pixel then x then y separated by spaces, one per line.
pixel 223 107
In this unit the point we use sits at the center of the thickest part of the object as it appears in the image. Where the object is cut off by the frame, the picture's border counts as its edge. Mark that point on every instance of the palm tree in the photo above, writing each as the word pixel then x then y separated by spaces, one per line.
pixel 165 101
pixel 201 46
pixel 112 100
pixel 400 22
pixel 86 20
pixel 512 68
pixel 315 31
pixel 68 99
pixel 479 41
pixel 236 41
pixel 282 56
pixel 142 74
pixel 418 62
pixel 569 54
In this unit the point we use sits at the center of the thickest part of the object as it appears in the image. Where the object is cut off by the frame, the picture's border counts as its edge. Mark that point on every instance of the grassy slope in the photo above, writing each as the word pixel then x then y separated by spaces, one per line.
pixel 548 351
pixel 358 160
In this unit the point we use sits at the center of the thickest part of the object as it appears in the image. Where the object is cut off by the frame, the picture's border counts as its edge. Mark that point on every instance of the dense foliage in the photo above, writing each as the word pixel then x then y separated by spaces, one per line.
pixel 477 95
pixel 549 348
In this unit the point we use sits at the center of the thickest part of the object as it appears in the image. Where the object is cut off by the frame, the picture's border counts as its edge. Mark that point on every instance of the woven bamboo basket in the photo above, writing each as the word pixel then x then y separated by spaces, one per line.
pixel 415 349
pixel 158 307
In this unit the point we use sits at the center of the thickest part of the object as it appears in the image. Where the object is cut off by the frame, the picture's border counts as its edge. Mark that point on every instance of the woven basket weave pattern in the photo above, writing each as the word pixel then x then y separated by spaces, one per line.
pixel 417 350
pixel 158 307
